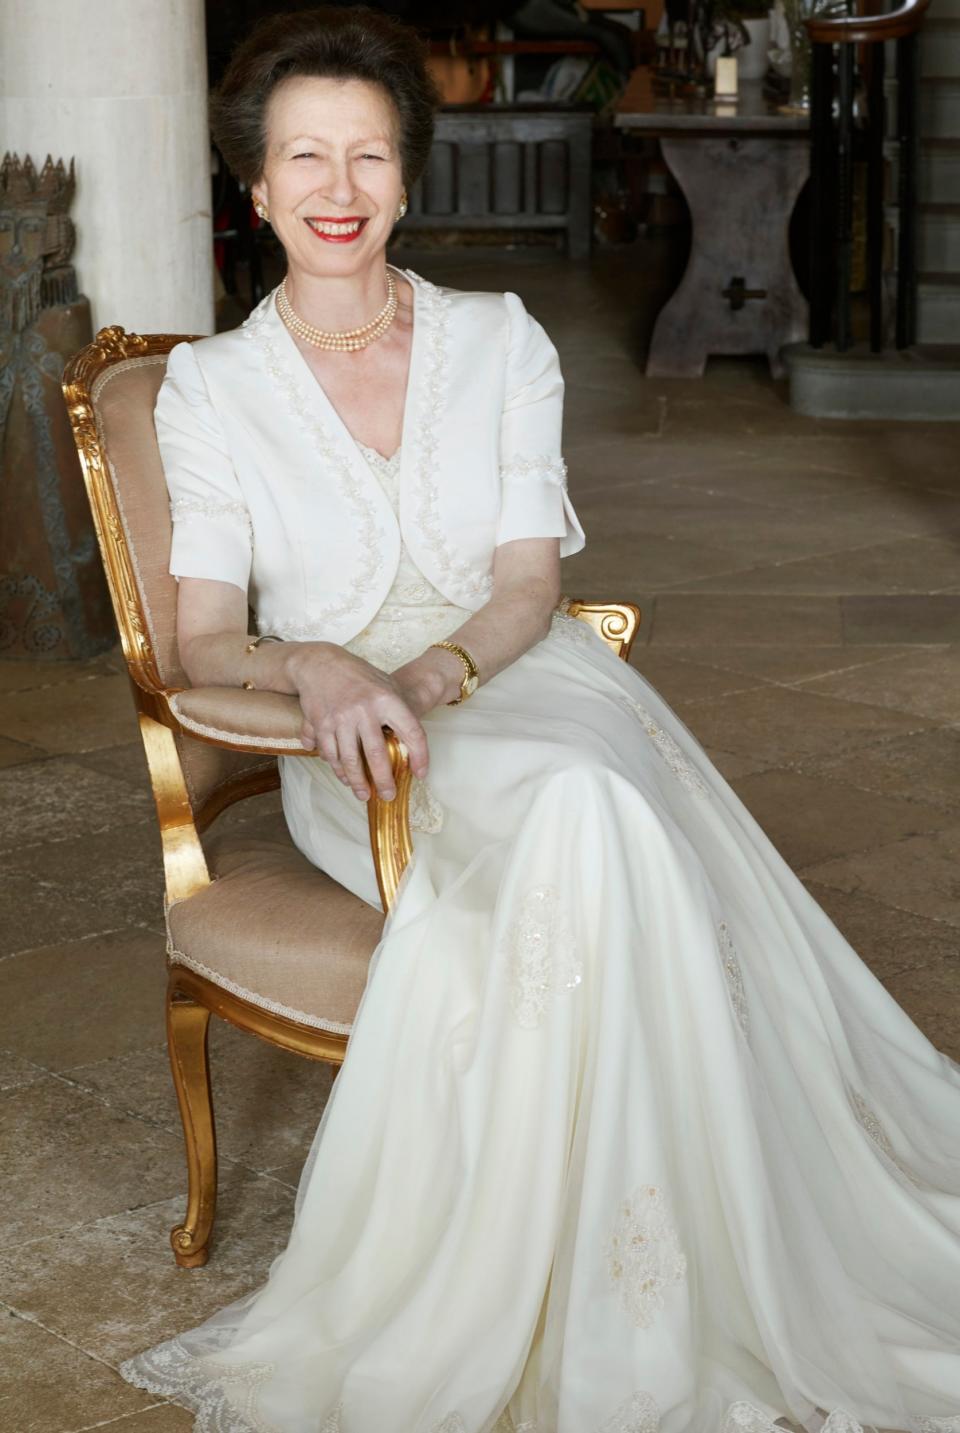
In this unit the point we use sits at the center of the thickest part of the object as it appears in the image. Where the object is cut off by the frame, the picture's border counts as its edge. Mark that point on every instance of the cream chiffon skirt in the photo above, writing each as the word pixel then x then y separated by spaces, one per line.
pixel 627 1140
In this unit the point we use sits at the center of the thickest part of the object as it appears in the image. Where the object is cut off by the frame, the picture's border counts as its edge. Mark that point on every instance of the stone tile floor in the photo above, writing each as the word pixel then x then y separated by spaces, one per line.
pixel 800 586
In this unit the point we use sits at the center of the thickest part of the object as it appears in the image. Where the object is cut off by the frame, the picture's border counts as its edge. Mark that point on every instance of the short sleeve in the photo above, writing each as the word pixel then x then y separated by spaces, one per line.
pixel 534 501
pixel 212 532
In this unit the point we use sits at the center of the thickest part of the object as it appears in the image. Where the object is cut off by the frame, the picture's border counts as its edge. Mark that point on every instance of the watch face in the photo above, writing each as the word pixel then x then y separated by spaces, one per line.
pixel 470 685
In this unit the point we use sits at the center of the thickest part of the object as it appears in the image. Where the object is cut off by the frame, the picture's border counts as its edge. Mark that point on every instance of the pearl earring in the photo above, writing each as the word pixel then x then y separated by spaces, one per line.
pixel 403 205
pixel 262 211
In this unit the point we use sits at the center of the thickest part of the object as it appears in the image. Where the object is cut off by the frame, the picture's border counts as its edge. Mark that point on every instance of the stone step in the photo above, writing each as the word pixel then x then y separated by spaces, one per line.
pixel 940 47
pixel 920 384
pixel 938 308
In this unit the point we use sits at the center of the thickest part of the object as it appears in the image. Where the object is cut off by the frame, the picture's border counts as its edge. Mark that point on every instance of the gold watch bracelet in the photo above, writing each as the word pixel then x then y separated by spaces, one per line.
pixel 470 669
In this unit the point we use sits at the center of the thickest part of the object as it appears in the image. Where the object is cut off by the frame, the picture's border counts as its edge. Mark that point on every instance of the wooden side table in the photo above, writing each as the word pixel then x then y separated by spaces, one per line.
pixel 741 165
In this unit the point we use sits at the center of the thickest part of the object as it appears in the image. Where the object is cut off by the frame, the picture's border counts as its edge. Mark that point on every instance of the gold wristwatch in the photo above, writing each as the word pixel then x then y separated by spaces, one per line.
pixel 471 676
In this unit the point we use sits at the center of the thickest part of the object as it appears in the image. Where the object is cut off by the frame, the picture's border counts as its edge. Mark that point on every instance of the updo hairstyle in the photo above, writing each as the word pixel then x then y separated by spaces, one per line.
pixel 328 42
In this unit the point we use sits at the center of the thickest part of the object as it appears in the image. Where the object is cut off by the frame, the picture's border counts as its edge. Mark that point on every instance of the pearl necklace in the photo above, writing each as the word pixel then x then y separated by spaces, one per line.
pixel 347 339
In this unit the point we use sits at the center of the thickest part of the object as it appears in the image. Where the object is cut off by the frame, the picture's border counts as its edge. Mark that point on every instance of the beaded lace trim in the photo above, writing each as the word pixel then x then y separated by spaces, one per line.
pixel 223 1396
pixel 734 976
pixel 369 533
pixel 683 769
pixel 387 467
pixel 179 957
pixel 225 1399
pixel 644 1257
pixel 183 509
pixel 871 1122
pixel 542 466
pixel 433 390
pixel 237 738
pixel 410 586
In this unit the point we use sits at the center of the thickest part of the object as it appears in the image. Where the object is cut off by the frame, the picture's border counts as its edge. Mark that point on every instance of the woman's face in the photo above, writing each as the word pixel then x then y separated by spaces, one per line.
pixel 332 180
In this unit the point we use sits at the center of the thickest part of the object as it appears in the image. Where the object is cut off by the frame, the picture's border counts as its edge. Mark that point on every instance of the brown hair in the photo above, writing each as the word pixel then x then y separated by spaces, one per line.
pixel 356 43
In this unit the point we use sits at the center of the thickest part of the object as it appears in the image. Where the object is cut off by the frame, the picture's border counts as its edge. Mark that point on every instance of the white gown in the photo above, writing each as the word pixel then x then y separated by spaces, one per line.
pixel 628 1139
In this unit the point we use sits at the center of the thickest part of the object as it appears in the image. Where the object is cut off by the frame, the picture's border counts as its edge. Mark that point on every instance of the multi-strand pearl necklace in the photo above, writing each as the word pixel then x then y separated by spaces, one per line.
pixel 347 339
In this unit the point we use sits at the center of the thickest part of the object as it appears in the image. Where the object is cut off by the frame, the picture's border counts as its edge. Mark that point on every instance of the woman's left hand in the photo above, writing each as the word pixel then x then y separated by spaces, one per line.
pixel 429 680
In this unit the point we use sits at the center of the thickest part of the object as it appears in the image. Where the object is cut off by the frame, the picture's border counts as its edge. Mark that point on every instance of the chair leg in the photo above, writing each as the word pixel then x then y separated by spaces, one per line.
pixel 187 1026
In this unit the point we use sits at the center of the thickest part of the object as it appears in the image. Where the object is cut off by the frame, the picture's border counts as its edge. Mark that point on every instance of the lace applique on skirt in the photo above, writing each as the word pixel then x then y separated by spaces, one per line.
pixel 542 955
pixel 644 1256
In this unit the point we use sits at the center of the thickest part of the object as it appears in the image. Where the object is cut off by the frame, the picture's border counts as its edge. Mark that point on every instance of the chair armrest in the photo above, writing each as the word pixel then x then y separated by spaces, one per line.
pixel 254 721
pixel 268 724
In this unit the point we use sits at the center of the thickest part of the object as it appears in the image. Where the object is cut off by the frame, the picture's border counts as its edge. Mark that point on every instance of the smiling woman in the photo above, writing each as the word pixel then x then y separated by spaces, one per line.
pixel 345 187
pixel 627 1139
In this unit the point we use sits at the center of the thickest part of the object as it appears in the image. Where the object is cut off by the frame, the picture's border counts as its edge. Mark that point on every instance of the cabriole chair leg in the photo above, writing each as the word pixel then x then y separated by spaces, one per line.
pixel 187 1026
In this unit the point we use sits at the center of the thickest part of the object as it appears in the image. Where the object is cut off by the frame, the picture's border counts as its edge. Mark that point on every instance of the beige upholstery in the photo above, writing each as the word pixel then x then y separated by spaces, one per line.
pixel 124 397
pixel 230 714
pixel 276 931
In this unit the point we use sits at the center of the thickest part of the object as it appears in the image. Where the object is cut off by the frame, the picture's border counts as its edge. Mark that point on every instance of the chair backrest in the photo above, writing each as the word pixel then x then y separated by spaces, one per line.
pixel 111 390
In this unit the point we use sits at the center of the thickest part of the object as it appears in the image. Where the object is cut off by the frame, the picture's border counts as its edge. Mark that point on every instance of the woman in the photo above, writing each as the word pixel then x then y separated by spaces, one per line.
pixel 627 1139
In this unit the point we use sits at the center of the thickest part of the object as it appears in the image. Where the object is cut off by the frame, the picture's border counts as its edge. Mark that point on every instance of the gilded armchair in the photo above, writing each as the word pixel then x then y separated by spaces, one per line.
pixel 256 934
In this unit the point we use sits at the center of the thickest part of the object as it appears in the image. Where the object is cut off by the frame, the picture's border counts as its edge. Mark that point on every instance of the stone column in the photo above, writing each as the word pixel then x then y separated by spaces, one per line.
pixel 122 86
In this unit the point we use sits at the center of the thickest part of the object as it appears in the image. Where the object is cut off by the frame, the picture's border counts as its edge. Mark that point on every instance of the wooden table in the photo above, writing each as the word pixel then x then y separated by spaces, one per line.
pixel 741 165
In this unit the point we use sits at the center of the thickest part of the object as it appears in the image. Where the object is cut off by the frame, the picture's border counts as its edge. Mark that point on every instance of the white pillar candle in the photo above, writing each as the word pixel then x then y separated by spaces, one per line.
pixel 726 80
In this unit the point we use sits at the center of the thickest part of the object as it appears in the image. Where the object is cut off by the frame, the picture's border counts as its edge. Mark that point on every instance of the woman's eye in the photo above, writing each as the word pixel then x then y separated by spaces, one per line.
pixel 303 156
pixel 371 156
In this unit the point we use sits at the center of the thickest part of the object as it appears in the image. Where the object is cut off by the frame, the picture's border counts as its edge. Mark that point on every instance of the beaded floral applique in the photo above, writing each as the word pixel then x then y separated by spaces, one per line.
pixel 733 976
pixel 453 1423
pixel 185 508
pixel 542 959
pixel 644 1256
pixel 870 1121
pixel 640 1414
pixel 426 813
pixel 682 768
pixel 332 1422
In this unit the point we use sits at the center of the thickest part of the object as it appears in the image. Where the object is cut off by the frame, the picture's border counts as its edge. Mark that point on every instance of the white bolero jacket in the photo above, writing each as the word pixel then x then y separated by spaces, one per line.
pixel 269 491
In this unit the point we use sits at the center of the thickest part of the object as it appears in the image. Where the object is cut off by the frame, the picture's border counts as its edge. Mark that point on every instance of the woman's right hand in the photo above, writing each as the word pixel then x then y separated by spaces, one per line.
pixel 346 702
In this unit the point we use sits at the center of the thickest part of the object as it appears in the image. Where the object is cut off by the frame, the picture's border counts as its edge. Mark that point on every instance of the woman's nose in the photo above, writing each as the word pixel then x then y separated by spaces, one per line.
pixel 340 188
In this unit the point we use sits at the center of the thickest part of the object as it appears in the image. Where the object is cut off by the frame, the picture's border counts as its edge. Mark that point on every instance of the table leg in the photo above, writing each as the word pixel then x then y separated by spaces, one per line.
pixel 739 293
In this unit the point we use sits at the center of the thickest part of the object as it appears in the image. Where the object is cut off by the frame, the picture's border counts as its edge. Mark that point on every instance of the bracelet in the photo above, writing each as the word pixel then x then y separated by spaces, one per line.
pixel 252 647
pixel 471 678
